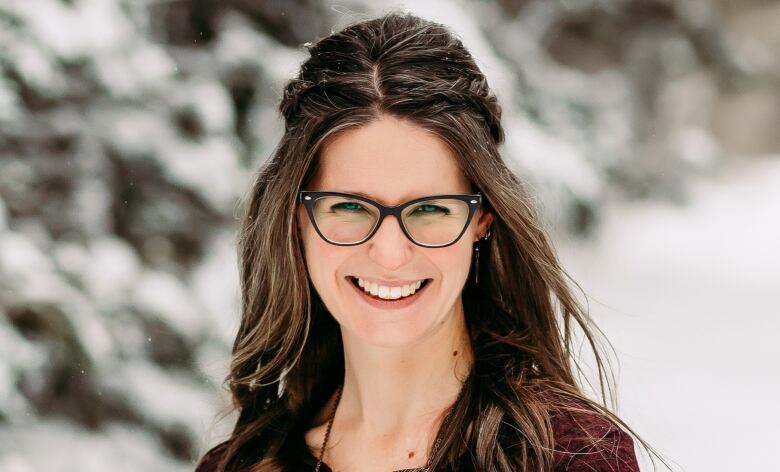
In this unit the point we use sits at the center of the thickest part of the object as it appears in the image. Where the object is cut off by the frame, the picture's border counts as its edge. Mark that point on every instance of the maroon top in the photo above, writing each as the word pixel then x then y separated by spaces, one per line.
pixel 584 442
pixel 609 449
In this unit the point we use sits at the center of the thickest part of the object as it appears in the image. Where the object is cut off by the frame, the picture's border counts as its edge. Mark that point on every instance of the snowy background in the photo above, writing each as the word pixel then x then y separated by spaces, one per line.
pixel 129 130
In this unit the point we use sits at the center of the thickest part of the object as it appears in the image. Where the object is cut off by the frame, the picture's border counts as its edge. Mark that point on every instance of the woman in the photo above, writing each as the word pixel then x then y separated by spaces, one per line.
pixel 403 308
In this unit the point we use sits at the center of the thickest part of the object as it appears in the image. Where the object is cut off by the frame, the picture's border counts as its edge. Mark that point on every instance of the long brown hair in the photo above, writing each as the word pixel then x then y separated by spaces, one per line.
pixel 522 317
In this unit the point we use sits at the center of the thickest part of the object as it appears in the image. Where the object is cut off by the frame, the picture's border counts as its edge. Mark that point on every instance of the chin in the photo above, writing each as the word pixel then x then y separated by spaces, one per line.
pixel 367 329
pixel 388 338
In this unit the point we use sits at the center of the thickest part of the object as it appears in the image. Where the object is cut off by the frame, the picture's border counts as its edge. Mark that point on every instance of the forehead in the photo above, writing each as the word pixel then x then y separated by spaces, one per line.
pixel 390 160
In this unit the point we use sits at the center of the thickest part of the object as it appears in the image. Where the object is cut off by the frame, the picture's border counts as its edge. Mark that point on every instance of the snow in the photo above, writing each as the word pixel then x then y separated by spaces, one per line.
pixel 38 69
pixel 92 206
pixel 549 159
pixel 19 355
pixel 689 296
pixel 10 109
pixel 169 399
pixel 71 32
pixel 211 103
pixel 32 279
pixel 216 286
pixel 239 46
pixel 134 133
pixel 57 445
pixel 109 269
pixel 22 263
pixel 211 168
pixel 131 69
pixel 163 296
pixel 3 215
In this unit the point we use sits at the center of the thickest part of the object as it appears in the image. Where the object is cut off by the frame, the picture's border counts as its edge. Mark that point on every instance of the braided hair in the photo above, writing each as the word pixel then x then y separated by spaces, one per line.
pixel 392 62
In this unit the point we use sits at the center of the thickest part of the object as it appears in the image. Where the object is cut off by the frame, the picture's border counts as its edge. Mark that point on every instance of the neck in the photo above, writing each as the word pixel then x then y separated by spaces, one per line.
pixel 388 391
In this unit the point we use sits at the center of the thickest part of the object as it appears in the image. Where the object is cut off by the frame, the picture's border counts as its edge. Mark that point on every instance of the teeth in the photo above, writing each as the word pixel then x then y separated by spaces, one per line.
pixel 388 293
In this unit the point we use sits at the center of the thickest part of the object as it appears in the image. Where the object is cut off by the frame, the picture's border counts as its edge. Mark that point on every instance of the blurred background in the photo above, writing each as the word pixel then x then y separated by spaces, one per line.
pixel 649 131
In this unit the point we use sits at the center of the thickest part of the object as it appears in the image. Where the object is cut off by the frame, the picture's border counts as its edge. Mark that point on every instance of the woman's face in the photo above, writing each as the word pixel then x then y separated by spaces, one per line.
pixel 390 161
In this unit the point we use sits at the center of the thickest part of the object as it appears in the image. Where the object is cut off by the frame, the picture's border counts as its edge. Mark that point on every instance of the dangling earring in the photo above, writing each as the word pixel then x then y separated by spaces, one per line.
pixel 476 263
pixel 476 256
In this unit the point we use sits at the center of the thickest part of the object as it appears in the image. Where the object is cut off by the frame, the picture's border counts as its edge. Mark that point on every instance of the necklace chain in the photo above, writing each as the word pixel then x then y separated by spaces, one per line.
pixel 435 444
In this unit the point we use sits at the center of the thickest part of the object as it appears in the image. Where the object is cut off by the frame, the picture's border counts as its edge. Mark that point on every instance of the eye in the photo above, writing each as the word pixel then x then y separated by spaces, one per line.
pixel 347 206
pixel 428 208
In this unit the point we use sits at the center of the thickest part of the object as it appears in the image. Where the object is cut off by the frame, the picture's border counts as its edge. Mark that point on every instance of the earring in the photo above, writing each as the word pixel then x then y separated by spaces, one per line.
pixel 476 255
pixel 476 263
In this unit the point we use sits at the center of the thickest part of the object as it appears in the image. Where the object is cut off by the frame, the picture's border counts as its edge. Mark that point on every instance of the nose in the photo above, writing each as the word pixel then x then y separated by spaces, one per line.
pixel 389 246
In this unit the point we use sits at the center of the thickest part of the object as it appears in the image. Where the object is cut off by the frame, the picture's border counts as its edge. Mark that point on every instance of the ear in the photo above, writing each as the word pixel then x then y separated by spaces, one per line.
pixel 483 224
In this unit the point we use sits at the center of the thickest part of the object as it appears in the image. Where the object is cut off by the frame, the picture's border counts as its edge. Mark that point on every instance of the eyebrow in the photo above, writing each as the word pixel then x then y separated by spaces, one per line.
pixel 405 198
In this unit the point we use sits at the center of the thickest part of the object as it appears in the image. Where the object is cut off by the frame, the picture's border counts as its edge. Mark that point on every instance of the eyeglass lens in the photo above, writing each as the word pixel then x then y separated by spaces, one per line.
pixel 430 222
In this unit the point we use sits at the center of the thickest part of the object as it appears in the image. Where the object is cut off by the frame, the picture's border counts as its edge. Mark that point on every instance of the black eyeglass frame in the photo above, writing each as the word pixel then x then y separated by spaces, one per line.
pixel 308 197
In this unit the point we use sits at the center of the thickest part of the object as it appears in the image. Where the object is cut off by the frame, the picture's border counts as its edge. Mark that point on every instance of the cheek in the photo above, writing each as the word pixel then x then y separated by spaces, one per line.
pixel 322 263
pixel 319 256
pixel 315 250
pixel 313 253
pixel 454 262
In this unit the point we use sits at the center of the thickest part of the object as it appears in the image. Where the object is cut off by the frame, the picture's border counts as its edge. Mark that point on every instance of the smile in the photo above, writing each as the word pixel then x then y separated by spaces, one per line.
pixel 389 301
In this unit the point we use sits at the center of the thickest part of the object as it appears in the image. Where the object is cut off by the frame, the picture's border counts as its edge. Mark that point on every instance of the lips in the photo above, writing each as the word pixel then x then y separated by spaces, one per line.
pixel 422 282
pixel 396 304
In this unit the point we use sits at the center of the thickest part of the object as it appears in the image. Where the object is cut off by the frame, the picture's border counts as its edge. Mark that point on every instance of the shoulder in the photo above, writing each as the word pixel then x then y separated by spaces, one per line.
pixel 585 440
pixel 210 460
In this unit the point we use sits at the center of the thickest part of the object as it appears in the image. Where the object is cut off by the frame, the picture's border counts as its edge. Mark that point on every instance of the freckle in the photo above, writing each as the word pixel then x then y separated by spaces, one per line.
pixel 454 353
pixel 411 454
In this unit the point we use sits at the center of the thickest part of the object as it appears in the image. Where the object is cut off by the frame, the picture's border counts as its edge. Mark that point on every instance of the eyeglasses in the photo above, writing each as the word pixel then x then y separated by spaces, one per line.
pixel 345 219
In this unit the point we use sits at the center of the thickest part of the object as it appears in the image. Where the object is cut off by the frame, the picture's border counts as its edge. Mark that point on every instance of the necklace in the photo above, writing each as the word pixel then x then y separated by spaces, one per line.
pixel 435 444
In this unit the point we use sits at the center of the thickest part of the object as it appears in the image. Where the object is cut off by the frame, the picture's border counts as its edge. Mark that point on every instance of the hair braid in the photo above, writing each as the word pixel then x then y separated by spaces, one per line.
pixel 290 104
